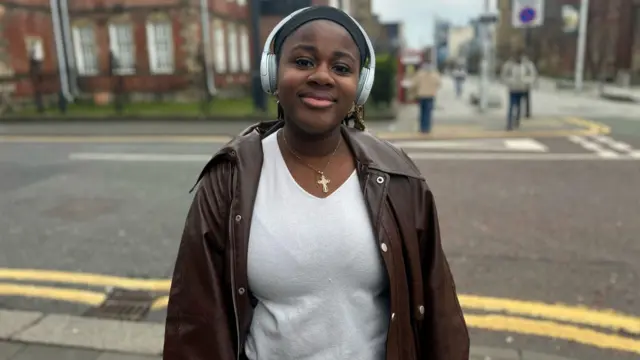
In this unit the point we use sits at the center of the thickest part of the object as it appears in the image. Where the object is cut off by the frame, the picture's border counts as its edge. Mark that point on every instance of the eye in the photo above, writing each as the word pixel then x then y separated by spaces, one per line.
pixel 303 63
pixel 342 69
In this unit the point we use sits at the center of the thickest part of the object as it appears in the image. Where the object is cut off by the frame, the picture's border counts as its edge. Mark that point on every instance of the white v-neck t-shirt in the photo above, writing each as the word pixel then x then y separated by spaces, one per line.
pixel 315 268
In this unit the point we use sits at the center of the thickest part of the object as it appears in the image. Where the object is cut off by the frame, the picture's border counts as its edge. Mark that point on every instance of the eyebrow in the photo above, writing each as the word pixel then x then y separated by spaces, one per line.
pixel 313 49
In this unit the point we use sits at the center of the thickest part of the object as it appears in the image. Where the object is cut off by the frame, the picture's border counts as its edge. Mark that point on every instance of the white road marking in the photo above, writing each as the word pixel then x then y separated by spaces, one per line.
pixel 595 147
pixel 519 145
pixel 202 158
pixel 614 144
pixel 140 157
pixel 519 157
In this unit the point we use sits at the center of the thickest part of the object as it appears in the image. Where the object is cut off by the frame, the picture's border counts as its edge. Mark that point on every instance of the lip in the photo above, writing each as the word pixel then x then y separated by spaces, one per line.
pixel 317 99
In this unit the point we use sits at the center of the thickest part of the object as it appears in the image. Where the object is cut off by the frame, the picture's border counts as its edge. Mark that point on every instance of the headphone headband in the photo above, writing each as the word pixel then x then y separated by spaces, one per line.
pixel 268 65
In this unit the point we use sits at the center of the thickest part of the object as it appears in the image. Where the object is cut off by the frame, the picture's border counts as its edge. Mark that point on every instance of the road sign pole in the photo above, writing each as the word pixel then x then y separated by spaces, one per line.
pixel 484 64
pixel 582 43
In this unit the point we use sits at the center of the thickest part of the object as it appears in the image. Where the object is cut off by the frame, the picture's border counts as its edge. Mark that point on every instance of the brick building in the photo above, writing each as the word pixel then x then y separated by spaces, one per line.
pixel 613 42
pixel 157 44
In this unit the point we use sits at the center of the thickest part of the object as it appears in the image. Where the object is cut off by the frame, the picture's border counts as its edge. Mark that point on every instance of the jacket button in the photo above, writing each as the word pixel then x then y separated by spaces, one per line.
pixel 380 180
pixel 421 309
pixel 241 291
pixel 393 316
pixel 238 217
pixel 384 247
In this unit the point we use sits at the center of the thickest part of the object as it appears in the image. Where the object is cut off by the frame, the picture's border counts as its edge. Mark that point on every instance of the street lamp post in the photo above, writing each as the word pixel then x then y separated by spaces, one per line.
pixel 485 34
pixel 582 43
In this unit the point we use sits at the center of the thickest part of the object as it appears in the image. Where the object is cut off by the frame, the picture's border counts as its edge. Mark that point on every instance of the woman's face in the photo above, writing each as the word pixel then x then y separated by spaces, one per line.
pixel 318 76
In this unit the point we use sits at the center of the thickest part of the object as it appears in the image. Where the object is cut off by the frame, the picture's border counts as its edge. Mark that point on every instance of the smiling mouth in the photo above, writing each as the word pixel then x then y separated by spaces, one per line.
pixel 316 103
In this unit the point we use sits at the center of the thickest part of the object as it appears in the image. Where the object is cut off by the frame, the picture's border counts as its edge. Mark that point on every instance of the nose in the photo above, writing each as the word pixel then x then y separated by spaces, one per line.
pixel 322 76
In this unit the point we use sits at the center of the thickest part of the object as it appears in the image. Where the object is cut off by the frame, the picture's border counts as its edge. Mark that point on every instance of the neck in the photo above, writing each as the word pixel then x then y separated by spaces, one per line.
pixel 304 144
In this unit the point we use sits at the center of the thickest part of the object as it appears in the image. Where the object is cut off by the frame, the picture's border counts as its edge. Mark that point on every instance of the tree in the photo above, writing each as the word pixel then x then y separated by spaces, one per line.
pixel 383 87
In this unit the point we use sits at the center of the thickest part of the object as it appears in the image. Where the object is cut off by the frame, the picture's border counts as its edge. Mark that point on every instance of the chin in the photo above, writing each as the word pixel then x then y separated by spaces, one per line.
pixel 316 123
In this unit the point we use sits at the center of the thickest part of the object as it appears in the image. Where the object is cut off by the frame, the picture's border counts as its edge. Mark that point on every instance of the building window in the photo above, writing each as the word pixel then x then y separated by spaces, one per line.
pixel 232 46
pixel 160 46
pixel 219 46
pixel 245 49
pixel 84 46
pixel 122 47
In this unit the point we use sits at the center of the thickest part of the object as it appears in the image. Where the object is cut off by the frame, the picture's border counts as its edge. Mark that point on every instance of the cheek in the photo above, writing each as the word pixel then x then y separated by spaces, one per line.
pixel 349 87
pixel 287 81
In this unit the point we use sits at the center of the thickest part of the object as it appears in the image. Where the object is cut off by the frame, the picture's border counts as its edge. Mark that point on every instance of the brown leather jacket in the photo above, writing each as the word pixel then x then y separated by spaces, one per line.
pixel 210 305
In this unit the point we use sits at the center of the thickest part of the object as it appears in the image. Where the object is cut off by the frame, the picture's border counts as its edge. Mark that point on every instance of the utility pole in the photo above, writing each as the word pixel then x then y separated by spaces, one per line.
pixel 484 64
pixel 259 99
pixel 436 43
pixel 582 43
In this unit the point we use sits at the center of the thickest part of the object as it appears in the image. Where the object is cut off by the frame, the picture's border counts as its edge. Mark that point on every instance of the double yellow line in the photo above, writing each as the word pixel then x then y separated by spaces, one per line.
pixel 582 325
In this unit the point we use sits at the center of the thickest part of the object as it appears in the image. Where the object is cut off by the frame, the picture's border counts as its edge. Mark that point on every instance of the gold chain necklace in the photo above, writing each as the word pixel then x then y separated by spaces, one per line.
pixel 323 180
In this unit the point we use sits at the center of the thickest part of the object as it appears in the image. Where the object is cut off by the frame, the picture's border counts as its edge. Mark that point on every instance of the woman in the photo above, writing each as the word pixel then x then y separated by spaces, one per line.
pixel 308 238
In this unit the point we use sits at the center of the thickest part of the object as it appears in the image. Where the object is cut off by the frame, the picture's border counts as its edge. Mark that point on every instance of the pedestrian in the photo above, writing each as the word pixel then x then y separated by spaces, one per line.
pixel 530 68
pixel 459 75
pixel 309 238
pixel 518 79
pixel 425 85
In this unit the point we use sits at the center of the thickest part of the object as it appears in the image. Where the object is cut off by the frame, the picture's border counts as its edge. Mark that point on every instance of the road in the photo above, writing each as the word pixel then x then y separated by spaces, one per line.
pixel 536 220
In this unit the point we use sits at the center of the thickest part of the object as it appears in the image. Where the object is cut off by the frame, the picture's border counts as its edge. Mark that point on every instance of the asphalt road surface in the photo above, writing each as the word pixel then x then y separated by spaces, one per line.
pixel 531 221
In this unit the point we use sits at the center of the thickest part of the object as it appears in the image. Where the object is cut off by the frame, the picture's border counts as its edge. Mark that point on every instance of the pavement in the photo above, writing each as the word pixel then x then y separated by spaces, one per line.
pixel 539 225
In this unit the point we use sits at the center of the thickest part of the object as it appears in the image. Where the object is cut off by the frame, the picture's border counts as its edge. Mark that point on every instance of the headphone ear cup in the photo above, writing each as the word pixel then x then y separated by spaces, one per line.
pixel 267 73
pixel 273 73
pixel 264 74
pixel 362 93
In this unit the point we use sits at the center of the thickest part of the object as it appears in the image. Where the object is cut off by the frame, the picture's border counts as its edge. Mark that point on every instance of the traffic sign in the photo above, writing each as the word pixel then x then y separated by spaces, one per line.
pixel 527 13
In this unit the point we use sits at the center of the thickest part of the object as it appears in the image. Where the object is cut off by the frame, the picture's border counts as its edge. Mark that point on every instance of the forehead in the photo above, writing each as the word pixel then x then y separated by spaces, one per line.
pixel 323 32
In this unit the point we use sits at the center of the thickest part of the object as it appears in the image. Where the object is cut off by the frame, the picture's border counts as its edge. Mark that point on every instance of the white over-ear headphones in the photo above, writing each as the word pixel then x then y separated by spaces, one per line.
pixel 269 65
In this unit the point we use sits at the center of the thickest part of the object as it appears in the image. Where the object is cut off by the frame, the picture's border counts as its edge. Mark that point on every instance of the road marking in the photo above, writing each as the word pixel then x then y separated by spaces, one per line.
pixel 160 303
pixel 594 147
pixel 64 139
pixel 550 329
pixel 94 280
pixel 518 157
pixel 593 127
pixel 521 145
pixel 91 298
pixel 614 144
pixel 608 319
pixel 200 158
pixel 140 157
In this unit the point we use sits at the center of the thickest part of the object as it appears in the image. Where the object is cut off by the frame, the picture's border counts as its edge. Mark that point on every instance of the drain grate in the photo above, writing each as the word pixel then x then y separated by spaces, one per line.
pixel 123 304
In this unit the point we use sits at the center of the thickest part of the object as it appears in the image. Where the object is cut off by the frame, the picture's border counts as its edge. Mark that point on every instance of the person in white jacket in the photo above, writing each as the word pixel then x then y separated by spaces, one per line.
pixel 518 77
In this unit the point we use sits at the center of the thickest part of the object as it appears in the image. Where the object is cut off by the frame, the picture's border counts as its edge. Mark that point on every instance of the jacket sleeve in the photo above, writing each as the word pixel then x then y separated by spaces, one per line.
pixel 444 322
pixel 199 324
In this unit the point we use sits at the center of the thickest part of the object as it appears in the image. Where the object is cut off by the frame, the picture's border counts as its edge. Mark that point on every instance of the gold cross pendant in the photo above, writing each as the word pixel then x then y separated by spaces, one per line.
pixel 324 182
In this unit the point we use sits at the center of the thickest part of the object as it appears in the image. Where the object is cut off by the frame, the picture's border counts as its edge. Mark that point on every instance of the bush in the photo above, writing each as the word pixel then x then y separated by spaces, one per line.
pixel 383 90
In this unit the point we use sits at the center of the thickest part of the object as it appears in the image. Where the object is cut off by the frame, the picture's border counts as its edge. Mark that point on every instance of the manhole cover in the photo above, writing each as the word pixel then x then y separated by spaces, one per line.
pixel 123 305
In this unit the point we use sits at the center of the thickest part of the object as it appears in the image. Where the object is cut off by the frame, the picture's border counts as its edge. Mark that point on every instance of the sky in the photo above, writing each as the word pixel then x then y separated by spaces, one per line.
pixel 418 15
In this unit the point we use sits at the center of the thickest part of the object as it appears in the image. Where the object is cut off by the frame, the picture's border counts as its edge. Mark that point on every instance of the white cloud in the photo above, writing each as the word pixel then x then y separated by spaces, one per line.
pixel 418 15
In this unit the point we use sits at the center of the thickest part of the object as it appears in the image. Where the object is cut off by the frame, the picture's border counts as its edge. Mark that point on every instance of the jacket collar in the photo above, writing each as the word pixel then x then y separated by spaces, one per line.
pixel 369 151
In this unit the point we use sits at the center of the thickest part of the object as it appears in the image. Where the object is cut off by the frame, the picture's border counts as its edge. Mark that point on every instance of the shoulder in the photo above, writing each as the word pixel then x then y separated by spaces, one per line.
pixel 246 145
pixel 383 155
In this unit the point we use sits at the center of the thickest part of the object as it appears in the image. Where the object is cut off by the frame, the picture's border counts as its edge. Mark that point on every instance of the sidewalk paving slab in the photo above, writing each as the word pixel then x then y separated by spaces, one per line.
pixel 99 334
pixel 69 337
pixel 12 322
pixel 22 351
